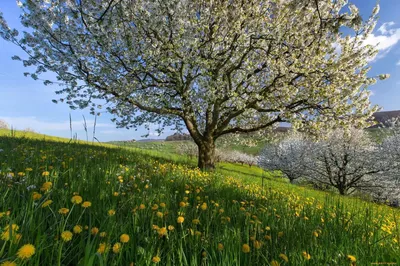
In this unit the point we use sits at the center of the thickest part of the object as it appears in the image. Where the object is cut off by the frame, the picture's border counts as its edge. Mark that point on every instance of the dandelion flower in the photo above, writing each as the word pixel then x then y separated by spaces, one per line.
pixel 284 257
pixel 76 199
pixel 195 221
pixel 26 251
pixel 63 211
pixel 171 228
pixel 246 248
pixel 351 258
pixel 86 204
pixel 103 234
pixel 156 259
pixel 77 229
pixel 142 207
pixel 275 263
pixel 117 247
pixel 46 203
pixel 124 238
pixel 8 263
pixel 94 230
pixel 203 206
pixel 257 244
pixel 66 236
pixel 162 231
pixel 111 212
pixel 46 173
pixel 180 220
pixel 103 248
pixel 159 214
pixel 36 196
pixel 306 255
pixel 220 247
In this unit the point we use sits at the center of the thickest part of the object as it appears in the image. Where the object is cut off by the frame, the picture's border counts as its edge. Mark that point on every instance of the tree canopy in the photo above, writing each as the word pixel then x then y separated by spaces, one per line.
pixel 214 67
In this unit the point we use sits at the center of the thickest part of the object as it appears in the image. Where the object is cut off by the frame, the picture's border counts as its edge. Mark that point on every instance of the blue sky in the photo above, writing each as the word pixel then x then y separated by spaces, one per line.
pixel 27 103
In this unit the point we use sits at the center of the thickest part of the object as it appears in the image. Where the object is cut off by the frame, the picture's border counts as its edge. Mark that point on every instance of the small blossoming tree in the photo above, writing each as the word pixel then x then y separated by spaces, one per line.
pixel 213 67
pixel 287 156
pixel 349 161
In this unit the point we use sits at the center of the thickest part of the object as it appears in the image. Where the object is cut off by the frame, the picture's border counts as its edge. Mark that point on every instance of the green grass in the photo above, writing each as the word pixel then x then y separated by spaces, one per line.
pixel 234 206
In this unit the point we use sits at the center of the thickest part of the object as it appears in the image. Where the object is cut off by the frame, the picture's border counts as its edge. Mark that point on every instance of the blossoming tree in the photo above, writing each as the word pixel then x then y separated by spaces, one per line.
pixel 212 67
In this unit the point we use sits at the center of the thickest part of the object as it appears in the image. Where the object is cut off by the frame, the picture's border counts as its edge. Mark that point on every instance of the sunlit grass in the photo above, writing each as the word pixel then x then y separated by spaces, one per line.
pixel 174 214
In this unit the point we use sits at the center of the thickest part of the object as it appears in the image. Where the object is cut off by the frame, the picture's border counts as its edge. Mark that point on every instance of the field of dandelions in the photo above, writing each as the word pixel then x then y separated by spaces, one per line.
pixel 74 204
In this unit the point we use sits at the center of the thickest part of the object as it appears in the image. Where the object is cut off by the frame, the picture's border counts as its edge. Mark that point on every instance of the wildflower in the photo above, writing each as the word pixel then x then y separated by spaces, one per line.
pixel 182 204
pixel 77 229
pixel 63 211
pixel 26 251
pixel 117 247
pixel 94 230
pixel 6 233
pixel 315 233
pixel 46 173
pixel 284 257
pixel 257 244
pixel 103 234
pixel 8 263
pixel 203 206
pixel 162 231
pixel 103 248
pixel 220 247
pixel 171 228
pixel 46 186
pixel 111 212
pixel 180 220
pixel 196 221
pixel 155 207
pixel 163 205
pixel 66 236
pixel 124 238
pixel 156 259
pixel 17 238
pixel 306 255
pixel 246 248
pixel 351 258
pixel 86 204
pixel 159 214
pixel 274 263
pixel 46 203
pixel 142 207
pixel 280 234
pixel 76 199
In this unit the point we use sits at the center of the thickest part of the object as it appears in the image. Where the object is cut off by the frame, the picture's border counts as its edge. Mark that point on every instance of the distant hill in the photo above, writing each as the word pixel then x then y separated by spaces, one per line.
pixel 383 117
pixel 178 136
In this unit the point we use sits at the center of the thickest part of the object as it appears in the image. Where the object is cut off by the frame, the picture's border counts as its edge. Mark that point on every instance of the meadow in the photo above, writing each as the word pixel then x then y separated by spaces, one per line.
pixel 67 203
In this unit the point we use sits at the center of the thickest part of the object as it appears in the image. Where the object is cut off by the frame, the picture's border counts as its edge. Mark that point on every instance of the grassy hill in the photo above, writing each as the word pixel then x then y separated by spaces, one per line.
pixel 81 204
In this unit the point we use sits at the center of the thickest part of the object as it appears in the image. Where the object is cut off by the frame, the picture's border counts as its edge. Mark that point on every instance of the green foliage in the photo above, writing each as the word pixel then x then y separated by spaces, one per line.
pixel 231 205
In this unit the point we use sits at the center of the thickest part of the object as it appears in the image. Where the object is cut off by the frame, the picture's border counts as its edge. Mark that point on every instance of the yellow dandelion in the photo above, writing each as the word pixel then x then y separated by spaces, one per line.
pixel 111 212
pixel 77 229
pixel 171 228
pixel 46 203
pixel 66 236
pixel 203 206
pixel 351 258
pixel 63 211
pixel 117 247
pixel 124 238
pixel 246 248
pixel 162 231
pixel 46 173
pixel 257 244
pixel 156 259
pixel 163 205
pixel 220 246
pixel 86 204
pixel 8 263
pixel 180 219
pixel 306 255
pixel 284 257
pixel 103 234
pixel 36 196
pixel 195 221
pixel 46 186
pixel 76 199
pixel 142 207
pixel 26 251
pixel 159 214
pixel 17 238
pixel 94 231
pixel 103 248
pixel 275 263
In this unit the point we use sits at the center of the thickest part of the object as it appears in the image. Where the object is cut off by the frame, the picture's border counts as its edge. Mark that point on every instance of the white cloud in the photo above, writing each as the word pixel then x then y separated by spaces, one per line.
pixel 384 28
pixel 43 126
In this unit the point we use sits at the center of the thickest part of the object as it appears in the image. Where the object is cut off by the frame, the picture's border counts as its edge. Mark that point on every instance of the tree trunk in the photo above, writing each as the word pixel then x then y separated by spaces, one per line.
pixel 207 155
